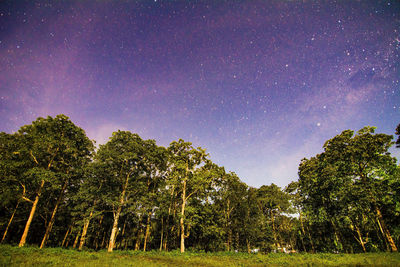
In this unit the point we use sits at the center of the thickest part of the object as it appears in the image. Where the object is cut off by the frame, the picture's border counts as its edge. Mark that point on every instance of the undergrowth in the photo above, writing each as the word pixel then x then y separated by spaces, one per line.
pixel 33 256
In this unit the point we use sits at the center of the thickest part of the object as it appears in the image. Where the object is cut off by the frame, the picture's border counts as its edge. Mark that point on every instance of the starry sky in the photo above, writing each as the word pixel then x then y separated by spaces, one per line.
pixel 259 84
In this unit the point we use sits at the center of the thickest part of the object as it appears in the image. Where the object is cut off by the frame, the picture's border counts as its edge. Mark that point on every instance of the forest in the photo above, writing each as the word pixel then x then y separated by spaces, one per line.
pixel 58 190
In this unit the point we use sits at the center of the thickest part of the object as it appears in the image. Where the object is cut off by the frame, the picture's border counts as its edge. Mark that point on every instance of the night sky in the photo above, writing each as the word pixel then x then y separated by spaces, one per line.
pixel 259 84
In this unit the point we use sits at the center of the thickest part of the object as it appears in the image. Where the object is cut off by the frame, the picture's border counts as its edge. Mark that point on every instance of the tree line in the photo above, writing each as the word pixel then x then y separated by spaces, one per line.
pixel 58 190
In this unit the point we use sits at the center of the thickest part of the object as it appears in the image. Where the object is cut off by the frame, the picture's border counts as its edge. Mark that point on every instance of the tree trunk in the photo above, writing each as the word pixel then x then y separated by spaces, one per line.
pixel 138 238
pixel 230 238
pixel 227 226
pixel 116 216
pixel 379 232
pixel 172 205
pixel 84 231
pixel 76 239
pixel 311 241
pixel 162 233
pixel 122 236
pixel 146 236
pixel 121 244
pixel 182 215
pixel 116 237
pixel 248 246
pixel 384 229
pixel 115 228
pixel 66 235
pixel 165 241
pixel 302 243
pixel 360 240
pixel 237 241
pixel 9 222
pixel 338 242
pixel 291 243
pixel 96 241
pixel 303 233
pixel 274 231
pixel 281 243
pixel 68 239
pixel 53 215
pixel 32 213
pixel 104 239
pixel 126 244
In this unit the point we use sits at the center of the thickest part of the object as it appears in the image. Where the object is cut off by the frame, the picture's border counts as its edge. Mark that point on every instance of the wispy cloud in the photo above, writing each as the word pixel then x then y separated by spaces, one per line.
pixel 102 133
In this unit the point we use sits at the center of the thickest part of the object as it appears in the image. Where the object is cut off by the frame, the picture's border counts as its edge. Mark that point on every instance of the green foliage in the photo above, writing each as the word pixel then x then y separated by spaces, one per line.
pixel 147 197
pixel 347 186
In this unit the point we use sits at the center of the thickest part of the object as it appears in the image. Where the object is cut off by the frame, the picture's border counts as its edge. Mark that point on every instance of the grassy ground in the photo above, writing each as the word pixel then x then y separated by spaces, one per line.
pixel 32 256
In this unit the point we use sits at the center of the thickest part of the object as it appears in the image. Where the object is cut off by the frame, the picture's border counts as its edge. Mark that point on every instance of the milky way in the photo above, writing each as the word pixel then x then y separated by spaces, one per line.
pixel 259 84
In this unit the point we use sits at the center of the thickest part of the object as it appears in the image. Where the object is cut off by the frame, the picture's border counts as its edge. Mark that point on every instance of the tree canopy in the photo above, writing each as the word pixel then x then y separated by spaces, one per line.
pixel 131 193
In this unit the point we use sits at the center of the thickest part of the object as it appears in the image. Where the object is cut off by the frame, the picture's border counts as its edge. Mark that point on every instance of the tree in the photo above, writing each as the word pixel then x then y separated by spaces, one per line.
pixel 398 138
pixel 296 202
pixel 55 147
pixel 188 175
pixel 255 230
pixel 127 160
pixel 12 167
pixel 230 195
pixel 156 168
pixel 88 200
pixel 348 179
pixel 272 201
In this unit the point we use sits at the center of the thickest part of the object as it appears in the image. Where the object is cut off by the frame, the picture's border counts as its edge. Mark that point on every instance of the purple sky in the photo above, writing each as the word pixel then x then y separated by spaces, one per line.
pixel 259 84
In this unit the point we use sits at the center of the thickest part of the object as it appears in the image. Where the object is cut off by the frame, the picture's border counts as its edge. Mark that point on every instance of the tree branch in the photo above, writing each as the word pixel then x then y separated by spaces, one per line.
pixel 23 193
pixel 27 199
pixel 191 194
pixel 34 158
pixel 51 161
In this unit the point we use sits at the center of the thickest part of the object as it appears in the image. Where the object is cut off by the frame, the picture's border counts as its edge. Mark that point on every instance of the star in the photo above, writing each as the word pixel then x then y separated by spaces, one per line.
pixel 231 73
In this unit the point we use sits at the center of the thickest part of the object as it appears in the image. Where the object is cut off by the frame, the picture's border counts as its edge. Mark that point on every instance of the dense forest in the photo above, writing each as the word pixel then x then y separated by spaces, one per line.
pixel 58 190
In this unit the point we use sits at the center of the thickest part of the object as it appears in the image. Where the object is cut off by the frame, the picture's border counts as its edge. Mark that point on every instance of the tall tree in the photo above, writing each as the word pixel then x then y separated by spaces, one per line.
pixel 255 230
pixel 272 201
pixel 89 199
pixel 296 202
pixel 188 176
pixel 55 146
pixel 351 172
pixel 231 193
pixel 127 161
pixel 12 186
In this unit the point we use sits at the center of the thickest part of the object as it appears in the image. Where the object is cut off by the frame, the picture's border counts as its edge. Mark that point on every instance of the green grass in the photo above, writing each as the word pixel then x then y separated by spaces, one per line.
pixel 32 256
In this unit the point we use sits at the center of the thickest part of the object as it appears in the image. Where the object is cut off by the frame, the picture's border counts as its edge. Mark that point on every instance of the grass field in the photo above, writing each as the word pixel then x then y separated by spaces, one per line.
pixel 32 256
